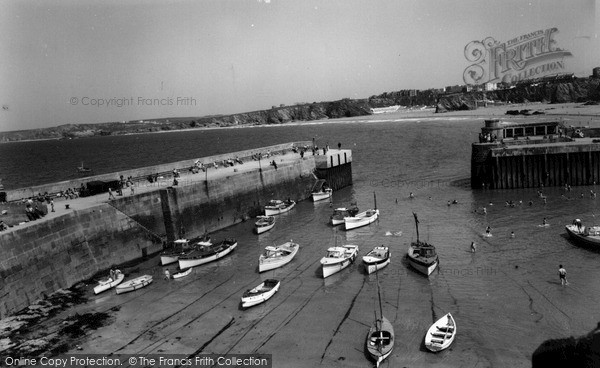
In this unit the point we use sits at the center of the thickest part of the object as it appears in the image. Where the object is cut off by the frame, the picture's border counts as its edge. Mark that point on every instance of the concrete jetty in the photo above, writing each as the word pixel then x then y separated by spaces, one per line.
pixel 534 154
pixel 87 235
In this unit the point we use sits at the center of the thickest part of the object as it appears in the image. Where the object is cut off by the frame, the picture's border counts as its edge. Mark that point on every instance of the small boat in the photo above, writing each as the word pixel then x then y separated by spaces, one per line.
pixel 261 293
pixel 109 282
pixel 263 224
pixel 363 218
pixel 324 194
pixel 207 253
pixel 337 218
pixel 338 258
pixel 376 259
pixel 134 284
pixel 380 340
pixel 172 254
pixel 422 256
pixel 182 273
pixel 277 256
pixel 276 206
pixel 83 170
pixel 441 334
pixel 585 236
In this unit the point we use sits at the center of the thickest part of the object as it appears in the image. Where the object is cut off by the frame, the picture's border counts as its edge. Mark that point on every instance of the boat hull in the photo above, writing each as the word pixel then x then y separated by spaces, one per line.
pixel 259 229
pixel 360 221
pixel 131 285
pixel 425 269
pixel 371 267
pixel 193 262
pixel 592 242
pixel 182 273
pixel 331 266
pixel 380 340
pixel 321 195
pixel 267 264
pixel 376 259
pixel 168 259
pixel 441 334
pixel 336 222
pixel 277 211
pixel 103 286
pixel 252 299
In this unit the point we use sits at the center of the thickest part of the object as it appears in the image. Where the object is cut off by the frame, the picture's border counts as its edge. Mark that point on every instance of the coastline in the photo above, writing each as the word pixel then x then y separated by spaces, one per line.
pixel 571 109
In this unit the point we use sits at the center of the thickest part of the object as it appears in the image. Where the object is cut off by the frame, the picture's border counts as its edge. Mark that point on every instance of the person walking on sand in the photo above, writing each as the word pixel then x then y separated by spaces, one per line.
pixel 167 275
pixel 110 194
pixel 472 247
pixel 562 273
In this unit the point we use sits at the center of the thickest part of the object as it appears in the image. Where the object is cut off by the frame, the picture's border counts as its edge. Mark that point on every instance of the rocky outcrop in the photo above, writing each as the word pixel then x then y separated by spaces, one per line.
pixel 277 115
pixel 573 90
pixel 582 352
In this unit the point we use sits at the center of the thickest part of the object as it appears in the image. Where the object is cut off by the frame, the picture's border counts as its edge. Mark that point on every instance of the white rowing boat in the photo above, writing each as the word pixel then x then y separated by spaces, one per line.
pixel 207 253
pixel 277 256
pixel 263 224
pixel 134 284
pixel 441 334
pixel 261 293
pixel 109 282
pixel 182 273
pixel 376 259
pixel 338 258
pixel 276 206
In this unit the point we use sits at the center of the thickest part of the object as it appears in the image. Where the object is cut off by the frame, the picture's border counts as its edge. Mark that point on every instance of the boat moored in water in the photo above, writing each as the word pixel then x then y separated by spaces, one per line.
pixel 585 236
pixel 337 218
pixel 277 256
pixel 362 219
pixel 264 223
pixel 376 259
pixel 380 340
pixel 321 195
pixel 276 206
pixel 338 258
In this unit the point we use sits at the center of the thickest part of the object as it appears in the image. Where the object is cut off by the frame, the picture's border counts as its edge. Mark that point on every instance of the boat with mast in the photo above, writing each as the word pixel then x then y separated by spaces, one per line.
pixel 422 256
pixel 380 340
pixel 363 218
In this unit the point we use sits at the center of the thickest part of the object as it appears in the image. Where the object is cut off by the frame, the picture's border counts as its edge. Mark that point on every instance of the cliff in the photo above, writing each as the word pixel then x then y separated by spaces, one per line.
pixel 573 90
pixel 275 115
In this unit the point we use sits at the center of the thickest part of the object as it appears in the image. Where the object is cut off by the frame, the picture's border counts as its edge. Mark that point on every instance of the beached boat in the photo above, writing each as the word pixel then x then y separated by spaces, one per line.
pixel 362 219
pixel 172 253
pixel 261 293
pixel 134 284
pixel 277 256
pixel 109 282
pixel 380 340
pixel 376 259
pixel 321 195
pixel 441 334
pixel 182 273
pixel 207 253
pixel 337 218
pixel 585 236
pixel 263 224
pixel 338 258
pixel 276 206
pixel 422 256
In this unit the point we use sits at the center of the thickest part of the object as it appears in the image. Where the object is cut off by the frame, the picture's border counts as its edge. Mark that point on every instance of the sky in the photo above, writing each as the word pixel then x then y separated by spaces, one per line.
pixel 91 61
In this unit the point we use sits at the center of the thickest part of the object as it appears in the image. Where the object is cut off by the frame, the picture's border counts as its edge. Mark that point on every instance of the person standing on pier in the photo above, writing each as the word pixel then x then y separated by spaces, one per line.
pixel 562 273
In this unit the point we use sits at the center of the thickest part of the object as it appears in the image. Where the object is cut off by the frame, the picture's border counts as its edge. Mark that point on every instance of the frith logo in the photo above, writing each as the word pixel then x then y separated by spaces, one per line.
pixel 531 55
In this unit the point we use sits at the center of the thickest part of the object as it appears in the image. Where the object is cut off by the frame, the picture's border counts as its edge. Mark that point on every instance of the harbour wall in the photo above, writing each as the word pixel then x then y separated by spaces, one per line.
pixel 59 252
pixel 140 174
pixel 534 165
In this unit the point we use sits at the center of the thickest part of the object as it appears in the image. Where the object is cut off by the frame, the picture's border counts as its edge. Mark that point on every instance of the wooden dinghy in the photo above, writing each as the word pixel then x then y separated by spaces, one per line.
pixel 261 293
pixel 109 282
pixel 182 273
pixel 275 257
pixel 441 334
pixel 134 284
pixel 376 259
